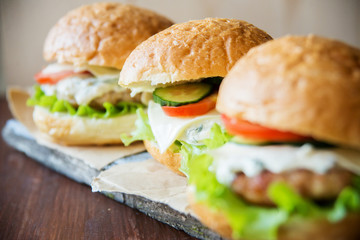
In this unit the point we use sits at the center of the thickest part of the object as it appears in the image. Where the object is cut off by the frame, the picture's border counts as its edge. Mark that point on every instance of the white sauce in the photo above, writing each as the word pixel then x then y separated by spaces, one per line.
pixel 252 160
pixel 198 131
pixel 81 89
pixel 167 129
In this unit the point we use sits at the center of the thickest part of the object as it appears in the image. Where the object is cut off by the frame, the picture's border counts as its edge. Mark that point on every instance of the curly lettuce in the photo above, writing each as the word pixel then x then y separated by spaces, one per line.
pixel 218 137
pixel 58 105
pixel 256 222
pixel 143 129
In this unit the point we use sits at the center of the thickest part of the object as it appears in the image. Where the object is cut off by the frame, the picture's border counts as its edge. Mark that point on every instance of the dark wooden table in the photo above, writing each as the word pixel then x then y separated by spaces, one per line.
pixel 38 203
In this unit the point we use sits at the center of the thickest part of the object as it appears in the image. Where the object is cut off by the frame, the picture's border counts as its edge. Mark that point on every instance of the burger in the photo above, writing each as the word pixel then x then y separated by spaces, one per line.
pixel 291 169
pixel 182 68
pixel 77 100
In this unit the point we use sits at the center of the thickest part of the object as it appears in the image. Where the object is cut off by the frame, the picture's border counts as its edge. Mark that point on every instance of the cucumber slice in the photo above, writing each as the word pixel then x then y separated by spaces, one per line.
pixel 182 94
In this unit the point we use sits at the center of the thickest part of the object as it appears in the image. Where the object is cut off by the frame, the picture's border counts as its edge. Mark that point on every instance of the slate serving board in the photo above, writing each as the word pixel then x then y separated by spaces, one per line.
pixel 16 135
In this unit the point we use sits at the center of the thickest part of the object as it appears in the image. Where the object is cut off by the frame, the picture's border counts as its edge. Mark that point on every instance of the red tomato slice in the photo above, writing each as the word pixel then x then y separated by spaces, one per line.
pixel 192 109
pixel 52 78
pixel 257 132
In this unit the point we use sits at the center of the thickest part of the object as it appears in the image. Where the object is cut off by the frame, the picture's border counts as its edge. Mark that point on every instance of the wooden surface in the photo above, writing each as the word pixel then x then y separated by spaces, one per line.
pixel 38 203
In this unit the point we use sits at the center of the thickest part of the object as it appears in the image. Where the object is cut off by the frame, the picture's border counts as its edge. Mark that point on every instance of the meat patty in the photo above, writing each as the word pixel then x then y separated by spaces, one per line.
pixel 306 183
pixel 114 97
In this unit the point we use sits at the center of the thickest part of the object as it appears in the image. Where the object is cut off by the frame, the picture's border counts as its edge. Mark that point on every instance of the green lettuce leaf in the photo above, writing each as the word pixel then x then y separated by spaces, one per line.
pixel 218 137
pixel 256 222
pixel 188 152
pixel 285 198
pixel 57 105
pixel 348 201
pixel 143 130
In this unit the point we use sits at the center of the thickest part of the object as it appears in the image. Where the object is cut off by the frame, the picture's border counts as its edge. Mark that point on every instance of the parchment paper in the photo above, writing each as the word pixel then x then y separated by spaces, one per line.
pixel 148 179
pixel 95 156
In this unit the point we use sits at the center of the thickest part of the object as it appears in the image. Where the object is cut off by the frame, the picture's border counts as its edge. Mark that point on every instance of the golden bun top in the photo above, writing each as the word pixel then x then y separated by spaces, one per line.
pixel 101 34
pixel 308 85
pixel 189 51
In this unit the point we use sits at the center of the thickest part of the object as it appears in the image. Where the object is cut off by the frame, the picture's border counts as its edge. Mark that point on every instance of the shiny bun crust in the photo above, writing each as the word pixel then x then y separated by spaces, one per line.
pixel 190 51
pixel 308 85
pixel 101 34
pixel 296 229
pixel 71 130
pixel 169 159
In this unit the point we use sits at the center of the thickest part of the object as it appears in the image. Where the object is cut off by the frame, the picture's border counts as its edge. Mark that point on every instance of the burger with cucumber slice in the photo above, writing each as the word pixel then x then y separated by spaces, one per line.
pixel 77 100
pixel 291 169
pixel 182 67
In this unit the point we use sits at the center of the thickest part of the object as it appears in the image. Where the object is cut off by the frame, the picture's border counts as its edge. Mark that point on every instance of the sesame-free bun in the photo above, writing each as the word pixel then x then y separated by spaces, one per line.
pixel 189 51
pixel 307 85
pixel 72 130
pixel 168 158
pixel 101 34
pixel 295 229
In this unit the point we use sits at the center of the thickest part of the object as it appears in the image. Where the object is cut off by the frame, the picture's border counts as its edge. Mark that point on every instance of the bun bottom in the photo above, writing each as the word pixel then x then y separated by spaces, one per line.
pixel 296 229
pixel 168 158
pixel 72 130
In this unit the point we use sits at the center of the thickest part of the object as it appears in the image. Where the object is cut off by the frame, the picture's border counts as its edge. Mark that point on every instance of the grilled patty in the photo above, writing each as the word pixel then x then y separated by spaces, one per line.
pixel 306 183
pixel 113 98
